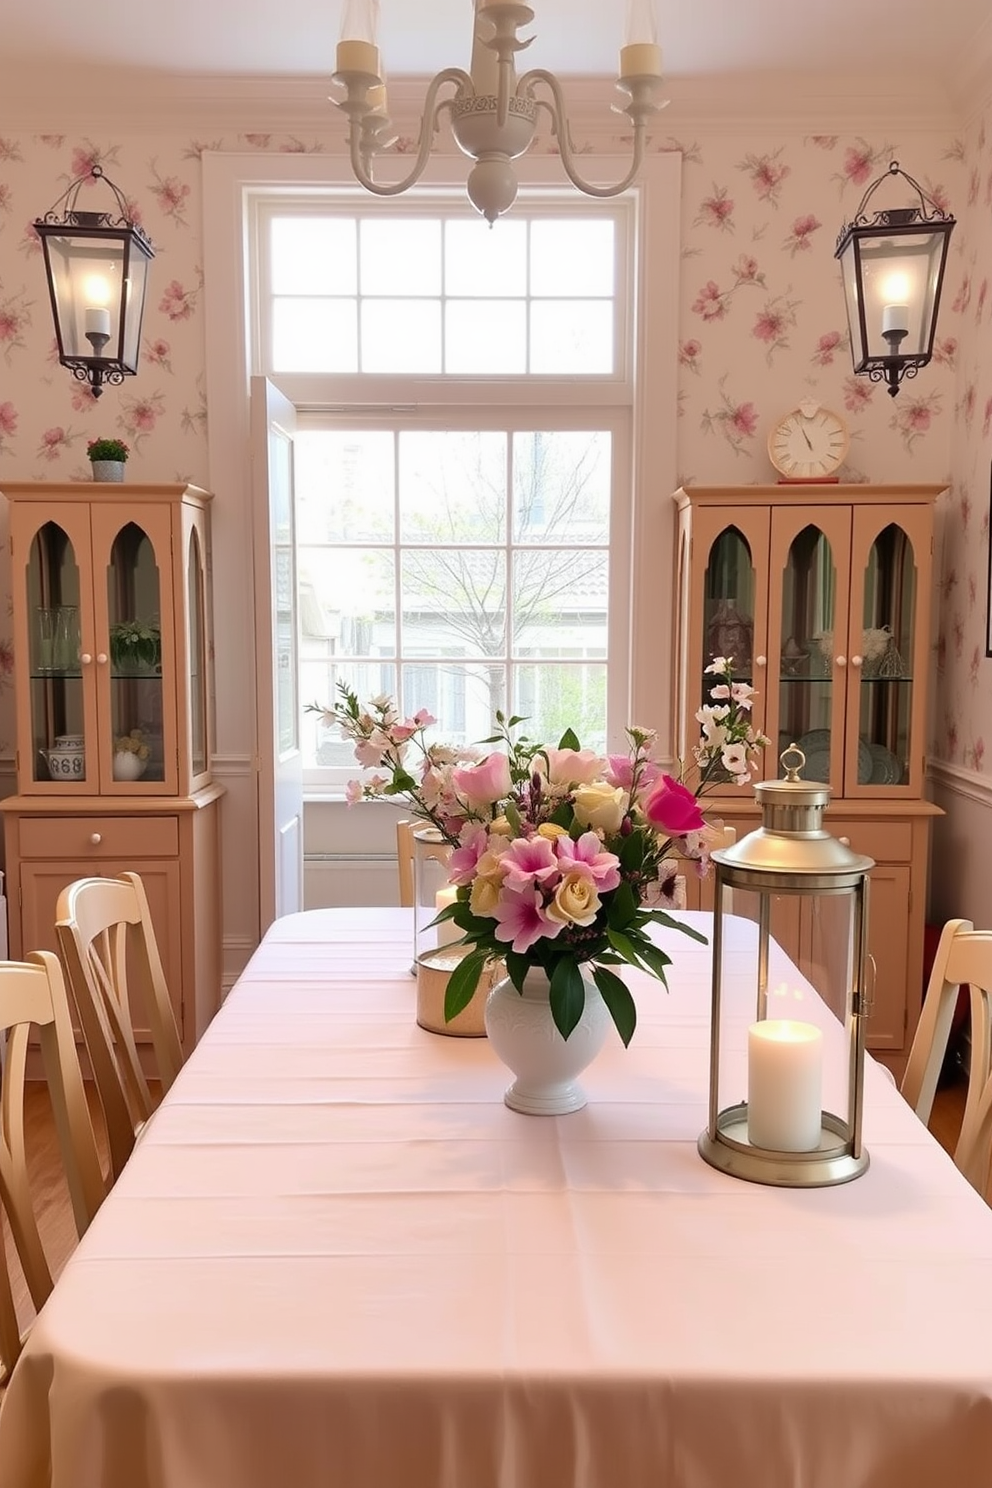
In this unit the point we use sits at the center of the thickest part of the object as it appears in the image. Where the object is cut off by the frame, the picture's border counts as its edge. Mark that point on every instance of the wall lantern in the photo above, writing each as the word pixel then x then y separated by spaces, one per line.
pixel 787 1051
pixel 893 267
pixel 97 268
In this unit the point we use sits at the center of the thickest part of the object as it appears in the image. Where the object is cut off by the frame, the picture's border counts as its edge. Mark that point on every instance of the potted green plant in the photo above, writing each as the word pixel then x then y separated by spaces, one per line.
pixel 136 646
pixel 107 456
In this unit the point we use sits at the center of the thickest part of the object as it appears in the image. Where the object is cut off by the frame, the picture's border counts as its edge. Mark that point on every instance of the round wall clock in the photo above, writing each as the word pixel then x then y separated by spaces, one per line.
pixel 809 443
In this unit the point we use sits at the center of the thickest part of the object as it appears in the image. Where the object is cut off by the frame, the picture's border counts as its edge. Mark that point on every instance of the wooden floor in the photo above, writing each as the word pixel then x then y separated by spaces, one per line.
pixel 55 1221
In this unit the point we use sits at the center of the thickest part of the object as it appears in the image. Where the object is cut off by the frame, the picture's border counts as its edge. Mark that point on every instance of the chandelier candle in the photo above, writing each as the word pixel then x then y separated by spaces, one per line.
pixel 784 1080
pixel 895 318
pixel 358 56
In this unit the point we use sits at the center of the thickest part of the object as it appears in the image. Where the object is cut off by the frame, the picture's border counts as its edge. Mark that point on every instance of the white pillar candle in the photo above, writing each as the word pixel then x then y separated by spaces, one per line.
pixel 98 319
pixel 447 931
pixel 784 1079
pixel 895 318
pixel 358 56
pixel 640 59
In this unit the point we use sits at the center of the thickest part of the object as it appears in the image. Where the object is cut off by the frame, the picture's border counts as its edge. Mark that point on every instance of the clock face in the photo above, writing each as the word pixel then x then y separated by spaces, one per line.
pixel 809 443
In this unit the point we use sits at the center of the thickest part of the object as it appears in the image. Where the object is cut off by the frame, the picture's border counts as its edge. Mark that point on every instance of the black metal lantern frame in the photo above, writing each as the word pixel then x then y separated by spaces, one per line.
pixel 892 263
pixel 97 269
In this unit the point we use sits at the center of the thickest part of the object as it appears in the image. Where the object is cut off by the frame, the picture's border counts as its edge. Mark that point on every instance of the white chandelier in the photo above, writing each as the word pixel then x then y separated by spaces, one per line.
pixel 493 113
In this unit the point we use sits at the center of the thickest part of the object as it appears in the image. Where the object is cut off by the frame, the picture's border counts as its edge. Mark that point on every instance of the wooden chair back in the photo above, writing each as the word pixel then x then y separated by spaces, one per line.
pixel 33 998
pixel 404 861
pixel 964 957
pixel 107 942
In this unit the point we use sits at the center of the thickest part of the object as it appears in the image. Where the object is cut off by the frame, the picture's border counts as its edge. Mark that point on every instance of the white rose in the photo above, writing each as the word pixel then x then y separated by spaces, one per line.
pixel 600 806
pixel 576 901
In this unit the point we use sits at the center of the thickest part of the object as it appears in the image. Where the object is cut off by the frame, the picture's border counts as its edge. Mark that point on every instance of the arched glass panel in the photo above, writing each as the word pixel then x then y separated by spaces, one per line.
pixel 133 610
pixel 196 659
pixel 58 745
pixel 807 649
pixel 890 589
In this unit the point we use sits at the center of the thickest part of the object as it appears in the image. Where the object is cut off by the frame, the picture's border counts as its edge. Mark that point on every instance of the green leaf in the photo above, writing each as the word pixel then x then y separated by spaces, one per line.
pixel 652 959
pixel 568 994
pixel 517 968
pixel 568 740
pixel 462 984
pixel 513 817
pixel 616 995
pixel 659 917
pixel 622 907
pixel 632 852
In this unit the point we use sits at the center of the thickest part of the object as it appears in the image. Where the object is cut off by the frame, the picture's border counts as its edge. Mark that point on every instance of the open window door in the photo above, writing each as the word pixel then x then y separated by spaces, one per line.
pixel 278 762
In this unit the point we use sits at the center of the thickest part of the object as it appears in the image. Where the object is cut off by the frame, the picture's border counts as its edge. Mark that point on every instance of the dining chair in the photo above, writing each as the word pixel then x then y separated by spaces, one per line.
pixel 107 942
pixel 963 958
pixel 404 861
pixel 33 998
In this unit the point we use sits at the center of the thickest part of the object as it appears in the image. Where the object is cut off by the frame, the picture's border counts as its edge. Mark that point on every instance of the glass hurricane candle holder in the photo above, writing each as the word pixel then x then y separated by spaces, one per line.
pixel 431 892
pixel 787 1045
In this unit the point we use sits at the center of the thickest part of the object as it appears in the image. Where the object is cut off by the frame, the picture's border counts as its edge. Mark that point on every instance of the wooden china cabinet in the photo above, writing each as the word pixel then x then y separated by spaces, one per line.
pixel 821 593
pixel 114 715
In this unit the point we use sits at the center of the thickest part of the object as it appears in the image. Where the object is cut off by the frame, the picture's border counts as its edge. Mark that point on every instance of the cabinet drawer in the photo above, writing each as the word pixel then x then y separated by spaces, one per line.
pixel 885 841
pixel 99 837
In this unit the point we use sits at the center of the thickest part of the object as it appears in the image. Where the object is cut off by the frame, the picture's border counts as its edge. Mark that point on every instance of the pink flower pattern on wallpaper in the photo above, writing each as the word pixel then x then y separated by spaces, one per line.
pixel 914 416
pixel 10 150
pixel 717 210
pixel 178 303
pixel 945 351
pixel 171 195
pixel 861 160
pixel 157 353
pixel 773 324
pixel 858 393
pixel 800 239
pixel 8 425
pixel 737 422
pixel 689 355
pixel 54 441
pixel 15 318
pixel 767 174
pixel 827 346
pixel 140 414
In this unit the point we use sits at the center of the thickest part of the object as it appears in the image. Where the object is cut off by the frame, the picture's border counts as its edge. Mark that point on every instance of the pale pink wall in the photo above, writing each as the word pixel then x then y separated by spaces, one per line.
pixel 761 326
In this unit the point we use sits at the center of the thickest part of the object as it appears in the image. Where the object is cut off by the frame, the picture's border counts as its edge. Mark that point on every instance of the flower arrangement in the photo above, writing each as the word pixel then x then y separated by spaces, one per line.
pixel 133 743
pixel 556 851
pixel 107 449
pixel 136 645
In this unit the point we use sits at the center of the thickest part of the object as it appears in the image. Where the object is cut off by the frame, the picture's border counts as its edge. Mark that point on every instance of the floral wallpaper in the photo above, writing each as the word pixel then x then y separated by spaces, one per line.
pixel 762 325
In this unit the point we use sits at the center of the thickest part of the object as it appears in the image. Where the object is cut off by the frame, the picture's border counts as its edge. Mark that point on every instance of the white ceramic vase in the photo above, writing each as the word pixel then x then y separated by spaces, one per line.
pixel 523 1034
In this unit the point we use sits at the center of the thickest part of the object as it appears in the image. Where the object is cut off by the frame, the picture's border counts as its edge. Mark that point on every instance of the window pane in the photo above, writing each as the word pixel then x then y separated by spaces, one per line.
pixel 314 255
pixel 485 263
pixel 561 487
pixel 462 698
pixel 344 486
pixel 572 257
pixel 454 599
pixel 401 336
pixel 400 256
pixel 452 487
pixel 347 602
pixel 485 336
pixel 556 698
pixel 571 336
pixel 314 336
pixel 559 600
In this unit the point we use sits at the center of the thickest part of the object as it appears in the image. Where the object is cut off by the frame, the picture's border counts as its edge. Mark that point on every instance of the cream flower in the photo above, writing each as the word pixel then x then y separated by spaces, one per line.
pixel 484 897
pixel 551 830
pixel 600 806
pixel 576 901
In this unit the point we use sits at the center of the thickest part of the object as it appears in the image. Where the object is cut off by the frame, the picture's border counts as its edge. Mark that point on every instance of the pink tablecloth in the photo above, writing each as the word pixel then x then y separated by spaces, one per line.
pixel 337 1260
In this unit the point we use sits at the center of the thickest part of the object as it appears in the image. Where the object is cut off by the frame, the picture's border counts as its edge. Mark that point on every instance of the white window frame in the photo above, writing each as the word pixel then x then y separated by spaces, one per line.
pixel 228 181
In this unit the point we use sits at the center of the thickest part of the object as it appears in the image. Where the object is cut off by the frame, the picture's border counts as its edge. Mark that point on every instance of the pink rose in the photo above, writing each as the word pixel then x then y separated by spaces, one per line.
pixel 673 808
pixel 485 783
pixel 573 766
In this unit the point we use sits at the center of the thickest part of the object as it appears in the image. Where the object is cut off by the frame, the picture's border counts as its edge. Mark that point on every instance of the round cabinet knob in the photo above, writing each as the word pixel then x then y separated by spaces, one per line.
pixel 96 838
pixel 761 661
pixel 85 658
pixel 856 660
pixel 842 661
pixel 101 658
pixel 844 841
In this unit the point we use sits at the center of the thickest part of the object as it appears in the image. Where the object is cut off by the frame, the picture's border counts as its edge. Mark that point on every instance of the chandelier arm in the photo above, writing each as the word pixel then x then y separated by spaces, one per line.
pixel 428 125
pixel 557 112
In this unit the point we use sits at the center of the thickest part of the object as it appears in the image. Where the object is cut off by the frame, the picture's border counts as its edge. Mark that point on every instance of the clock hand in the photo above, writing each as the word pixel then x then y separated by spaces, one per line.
pixel 809 442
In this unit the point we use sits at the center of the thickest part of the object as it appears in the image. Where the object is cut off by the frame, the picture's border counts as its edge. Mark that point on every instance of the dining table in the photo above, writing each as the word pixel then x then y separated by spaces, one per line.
pixel 337 1259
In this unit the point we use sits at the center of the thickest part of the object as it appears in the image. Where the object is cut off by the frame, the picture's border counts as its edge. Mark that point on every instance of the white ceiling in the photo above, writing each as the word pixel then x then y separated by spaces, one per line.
pixel 883 38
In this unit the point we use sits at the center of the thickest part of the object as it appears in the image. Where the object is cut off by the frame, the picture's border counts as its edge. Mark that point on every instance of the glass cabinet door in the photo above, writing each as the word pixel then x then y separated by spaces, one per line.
pixel 58 751
pixel 808 625
pixel 134 647
pixel 885 660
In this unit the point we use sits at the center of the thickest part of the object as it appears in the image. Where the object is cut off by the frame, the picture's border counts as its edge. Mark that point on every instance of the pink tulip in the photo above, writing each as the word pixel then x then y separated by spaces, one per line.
pixel 673 808
pixel 485 783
